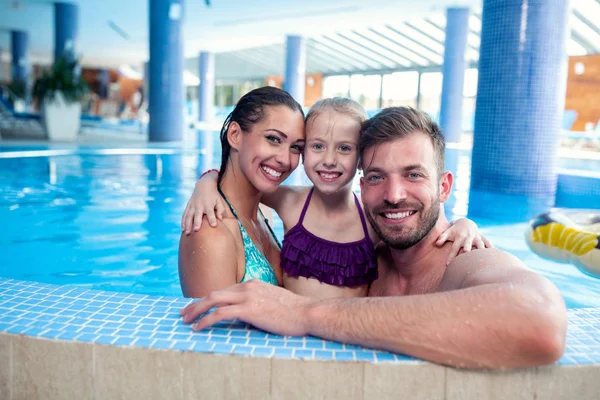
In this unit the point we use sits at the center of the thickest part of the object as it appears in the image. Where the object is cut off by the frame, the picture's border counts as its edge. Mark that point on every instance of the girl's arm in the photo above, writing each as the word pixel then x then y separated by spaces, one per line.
pixel 207 200
pixel 466 236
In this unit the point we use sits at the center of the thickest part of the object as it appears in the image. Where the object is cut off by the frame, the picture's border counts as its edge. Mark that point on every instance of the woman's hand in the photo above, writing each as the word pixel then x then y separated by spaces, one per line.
pixel 466 236
pixel 205 200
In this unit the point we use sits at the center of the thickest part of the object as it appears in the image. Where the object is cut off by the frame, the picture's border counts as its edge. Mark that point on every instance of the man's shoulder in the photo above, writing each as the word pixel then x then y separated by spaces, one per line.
pixel 481 266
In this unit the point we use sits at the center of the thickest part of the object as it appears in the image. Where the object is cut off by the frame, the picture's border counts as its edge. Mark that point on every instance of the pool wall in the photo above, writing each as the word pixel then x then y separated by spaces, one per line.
pixel 61 342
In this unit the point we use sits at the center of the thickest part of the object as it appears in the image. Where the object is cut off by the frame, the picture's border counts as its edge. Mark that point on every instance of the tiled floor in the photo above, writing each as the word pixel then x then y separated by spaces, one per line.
pixel 121 319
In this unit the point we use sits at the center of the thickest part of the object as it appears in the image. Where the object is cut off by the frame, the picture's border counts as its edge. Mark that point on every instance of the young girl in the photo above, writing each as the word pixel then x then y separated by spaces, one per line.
pixel 261 140
pixel 328 248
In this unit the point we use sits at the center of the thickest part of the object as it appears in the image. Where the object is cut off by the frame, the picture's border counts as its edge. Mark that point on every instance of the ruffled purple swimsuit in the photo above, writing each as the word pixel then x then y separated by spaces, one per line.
pixel 339 264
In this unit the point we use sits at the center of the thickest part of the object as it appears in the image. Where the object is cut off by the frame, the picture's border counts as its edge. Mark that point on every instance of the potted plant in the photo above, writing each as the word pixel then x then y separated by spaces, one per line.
pixel 17 90
pixel 59 93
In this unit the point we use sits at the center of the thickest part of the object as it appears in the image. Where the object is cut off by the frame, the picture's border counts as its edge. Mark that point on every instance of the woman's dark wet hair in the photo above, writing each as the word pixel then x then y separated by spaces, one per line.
pixel 249 110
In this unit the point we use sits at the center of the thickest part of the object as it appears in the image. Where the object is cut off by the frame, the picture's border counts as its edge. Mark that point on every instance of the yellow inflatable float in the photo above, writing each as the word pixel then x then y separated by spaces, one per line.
pixel 567 236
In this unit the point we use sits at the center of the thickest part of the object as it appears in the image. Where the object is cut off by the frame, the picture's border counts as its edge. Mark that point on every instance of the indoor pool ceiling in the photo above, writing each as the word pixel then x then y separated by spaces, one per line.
pixel 248 36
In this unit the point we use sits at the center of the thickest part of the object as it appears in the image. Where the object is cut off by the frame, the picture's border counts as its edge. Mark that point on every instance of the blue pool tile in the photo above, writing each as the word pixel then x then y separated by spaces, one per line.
pixel 365 355
pixel 143 334
pixel 106 331
pixel 294 344
pixel 129 326
pixel 257 342
pixel 298 353
pixel 245 350
pixel 324 355
pixel 50 333
pixel 221 348
pixel 203 347
pixel 84 314
pixel 276 343
pixel 283 353
pixel 239 334
pixel 125 332
pixel 219 332
pixel 382 356
pixel 87 337
pixel 161 335
pixel 181 336
pixel 146 327
pixel 88 329
pixel 314 345
pixel 218 339
pixel 581 358
pixel 4 326
pixel 258 334
pixel 78 321
pixel 183 345
pixel 566 360
pixel 142 342
pixel 94 323
pixel 344 355
pixel 111 325
pixel 403 357
pixel 241 341
pixel 123 341
pixel 333 346
pixel 105 339
pixel 162 344
pixel 199 337
pixel 67 335
pixel 52 311
pixel 262 351
pixel 33 331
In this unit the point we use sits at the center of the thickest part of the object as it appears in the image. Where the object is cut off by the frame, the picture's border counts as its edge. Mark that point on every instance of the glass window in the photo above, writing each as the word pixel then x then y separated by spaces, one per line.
pixel 400 89
pixel 365 89
pixel 336 86
pixel 431 93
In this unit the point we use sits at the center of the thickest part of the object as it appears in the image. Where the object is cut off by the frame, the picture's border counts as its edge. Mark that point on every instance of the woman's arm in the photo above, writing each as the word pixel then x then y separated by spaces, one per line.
pixel 207 261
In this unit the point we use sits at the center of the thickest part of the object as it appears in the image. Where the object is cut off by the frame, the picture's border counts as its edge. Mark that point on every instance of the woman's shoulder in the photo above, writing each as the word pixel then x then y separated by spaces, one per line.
pixel 218 238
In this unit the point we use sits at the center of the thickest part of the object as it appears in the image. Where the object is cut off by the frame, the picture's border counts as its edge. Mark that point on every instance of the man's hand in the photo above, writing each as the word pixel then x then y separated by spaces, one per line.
pixel 265 306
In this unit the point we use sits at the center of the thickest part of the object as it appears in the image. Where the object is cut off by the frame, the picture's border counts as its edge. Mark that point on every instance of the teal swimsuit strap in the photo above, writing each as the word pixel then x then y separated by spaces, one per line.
pixel 240 222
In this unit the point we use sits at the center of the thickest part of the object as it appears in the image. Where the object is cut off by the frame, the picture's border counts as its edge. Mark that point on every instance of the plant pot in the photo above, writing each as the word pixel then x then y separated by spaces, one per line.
pixel 61 119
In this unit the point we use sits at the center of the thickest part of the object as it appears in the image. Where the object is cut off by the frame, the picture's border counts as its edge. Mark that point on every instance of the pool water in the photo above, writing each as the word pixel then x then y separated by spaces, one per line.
pixel 110 220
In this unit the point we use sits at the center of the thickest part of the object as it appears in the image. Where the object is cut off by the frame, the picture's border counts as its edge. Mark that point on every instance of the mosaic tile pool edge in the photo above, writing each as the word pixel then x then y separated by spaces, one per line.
pixel 121 319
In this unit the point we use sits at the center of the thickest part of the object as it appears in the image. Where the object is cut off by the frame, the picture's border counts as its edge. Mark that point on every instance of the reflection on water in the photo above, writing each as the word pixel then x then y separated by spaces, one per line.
pixel 112 222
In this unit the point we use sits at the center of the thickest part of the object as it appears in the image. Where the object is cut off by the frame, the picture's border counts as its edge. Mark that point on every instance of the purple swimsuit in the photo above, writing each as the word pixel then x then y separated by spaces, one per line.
pixel 339 264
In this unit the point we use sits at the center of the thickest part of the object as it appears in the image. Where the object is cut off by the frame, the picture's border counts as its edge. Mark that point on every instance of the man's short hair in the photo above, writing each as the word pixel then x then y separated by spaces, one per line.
pixel 397 123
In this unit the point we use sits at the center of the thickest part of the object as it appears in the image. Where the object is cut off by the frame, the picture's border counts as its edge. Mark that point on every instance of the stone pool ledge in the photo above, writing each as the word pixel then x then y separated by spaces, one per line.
pixel 61 342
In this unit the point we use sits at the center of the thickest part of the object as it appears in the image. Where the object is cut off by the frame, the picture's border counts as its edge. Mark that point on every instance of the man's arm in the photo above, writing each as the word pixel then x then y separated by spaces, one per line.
pixel 506 318
pixel 493 314
pixel 207 261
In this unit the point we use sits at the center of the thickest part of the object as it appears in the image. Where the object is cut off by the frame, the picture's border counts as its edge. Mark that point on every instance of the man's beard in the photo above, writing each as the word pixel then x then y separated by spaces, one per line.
pixel 399 237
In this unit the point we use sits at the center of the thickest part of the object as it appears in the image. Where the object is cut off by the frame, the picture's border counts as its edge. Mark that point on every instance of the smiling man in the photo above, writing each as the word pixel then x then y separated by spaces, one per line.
pixel 483 310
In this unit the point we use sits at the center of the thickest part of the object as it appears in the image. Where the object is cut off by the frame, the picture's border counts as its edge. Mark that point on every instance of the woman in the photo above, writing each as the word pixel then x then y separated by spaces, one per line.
pixel 261 141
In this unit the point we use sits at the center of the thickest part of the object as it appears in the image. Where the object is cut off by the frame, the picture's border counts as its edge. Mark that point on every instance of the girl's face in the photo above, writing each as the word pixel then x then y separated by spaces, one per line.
pixel 272 148
pixel 331 153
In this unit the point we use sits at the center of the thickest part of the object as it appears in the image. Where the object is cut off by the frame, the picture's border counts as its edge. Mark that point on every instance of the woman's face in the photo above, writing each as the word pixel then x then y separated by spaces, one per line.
pixel 271 150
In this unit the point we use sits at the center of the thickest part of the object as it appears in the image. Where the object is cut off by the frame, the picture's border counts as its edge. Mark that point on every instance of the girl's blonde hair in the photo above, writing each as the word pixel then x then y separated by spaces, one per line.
pixel 342 105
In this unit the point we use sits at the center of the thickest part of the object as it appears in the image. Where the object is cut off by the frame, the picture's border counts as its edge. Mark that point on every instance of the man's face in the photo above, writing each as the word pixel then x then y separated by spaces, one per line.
pixel 401 190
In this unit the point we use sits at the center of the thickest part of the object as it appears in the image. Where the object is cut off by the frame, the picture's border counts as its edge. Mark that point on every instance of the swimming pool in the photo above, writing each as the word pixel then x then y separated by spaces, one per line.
pixel 90 299
pixel 109 219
